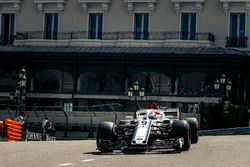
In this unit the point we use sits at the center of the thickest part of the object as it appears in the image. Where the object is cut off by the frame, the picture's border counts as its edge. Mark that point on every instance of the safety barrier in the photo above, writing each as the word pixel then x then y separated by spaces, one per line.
pixel 14 130
pixel 84 119
pixel 76 121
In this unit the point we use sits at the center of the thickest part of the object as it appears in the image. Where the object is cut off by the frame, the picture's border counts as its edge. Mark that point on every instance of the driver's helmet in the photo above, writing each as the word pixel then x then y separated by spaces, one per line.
pixel 154 114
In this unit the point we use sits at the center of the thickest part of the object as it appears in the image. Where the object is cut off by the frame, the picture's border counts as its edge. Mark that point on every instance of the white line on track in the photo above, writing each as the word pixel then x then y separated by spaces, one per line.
pixel 107 156
pixel 65 164
pixel 87 160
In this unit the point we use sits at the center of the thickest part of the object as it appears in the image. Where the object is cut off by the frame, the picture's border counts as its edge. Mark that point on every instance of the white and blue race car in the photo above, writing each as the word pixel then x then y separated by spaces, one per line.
pixel 151 129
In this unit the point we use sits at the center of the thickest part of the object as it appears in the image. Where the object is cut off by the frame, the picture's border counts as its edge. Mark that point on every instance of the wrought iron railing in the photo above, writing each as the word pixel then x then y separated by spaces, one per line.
pixel 113 35
pixel 240 42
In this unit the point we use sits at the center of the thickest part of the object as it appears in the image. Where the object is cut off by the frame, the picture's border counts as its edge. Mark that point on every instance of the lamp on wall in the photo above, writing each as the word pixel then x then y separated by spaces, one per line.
pixel 19 95
pixel 136 91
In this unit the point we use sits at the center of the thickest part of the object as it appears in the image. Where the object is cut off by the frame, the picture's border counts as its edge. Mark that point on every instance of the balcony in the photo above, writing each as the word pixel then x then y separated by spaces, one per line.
pixel 115 35
pixel 114 38
pixel 239 42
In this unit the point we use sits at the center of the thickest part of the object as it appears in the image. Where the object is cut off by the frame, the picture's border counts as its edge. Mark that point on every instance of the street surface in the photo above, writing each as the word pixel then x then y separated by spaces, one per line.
pixel 211 151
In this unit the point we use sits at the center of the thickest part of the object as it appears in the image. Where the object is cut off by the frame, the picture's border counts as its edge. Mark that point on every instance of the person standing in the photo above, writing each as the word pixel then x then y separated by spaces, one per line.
pixel 1 129
pixel 22 117
pixel 46 119
pixel 44 127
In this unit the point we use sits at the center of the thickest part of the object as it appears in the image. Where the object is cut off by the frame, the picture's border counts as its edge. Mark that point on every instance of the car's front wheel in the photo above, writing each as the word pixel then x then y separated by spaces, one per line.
pixel 181 131
pixel 105 136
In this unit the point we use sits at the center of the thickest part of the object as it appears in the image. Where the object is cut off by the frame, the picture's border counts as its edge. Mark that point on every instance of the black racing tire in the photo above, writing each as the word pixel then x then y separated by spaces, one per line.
pixel 181 129
pixel 187 141
pixel 105 131
pixel 194 126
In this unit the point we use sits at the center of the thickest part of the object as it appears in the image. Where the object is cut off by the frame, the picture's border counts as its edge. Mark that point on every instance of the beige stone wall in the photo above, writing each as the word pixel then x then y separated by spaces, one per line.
pixel 29 19
pixel 164 18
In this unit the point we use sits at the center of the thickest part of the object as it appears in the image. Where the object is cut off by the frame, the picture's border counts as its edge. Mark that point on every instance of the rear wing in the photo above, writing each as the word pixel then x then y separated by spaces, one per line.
pixel 172 113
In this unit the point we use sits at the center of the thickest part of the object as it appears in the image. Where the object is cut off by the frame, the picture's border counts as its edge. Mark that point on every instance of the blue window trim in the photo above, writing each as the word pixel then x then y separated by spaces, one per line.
pixel 95 25
pixel 188 26
pixel 51 25
pixel 141 26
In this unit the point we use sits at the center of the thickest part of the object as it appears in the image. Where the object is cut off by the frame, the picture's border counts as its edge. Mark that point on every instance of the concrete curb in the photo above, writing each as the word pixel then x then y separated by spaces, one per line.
pixel 227 131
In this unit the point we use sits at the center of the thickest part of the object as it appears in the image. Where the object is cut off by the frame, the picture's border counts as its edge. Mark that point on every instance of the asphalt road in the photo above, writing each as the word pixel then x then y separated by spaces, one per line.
pixel 212 151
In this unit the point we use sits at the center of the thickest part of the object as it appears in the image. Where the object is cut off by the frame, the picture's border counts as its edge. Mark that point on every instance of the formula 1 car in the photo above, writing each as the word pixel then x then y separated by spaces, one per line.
pixel 151 129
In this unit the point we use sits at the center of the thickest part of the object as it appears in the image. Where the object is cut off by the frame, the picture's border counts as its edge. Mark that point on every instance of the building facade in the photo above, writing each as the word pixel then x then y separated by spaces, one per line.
pixel 87 52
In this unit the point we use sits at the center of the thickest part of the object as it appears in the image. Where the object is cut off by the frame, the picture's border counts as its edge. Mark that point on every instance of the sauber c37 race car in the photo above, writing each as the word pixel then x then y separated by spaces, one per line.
pixel 151 129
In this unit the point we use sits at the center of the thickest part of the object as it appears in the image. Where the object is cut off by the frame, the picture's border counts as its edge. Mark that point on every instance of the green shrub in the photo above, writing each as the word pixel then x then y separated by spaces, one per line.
pixel 219 116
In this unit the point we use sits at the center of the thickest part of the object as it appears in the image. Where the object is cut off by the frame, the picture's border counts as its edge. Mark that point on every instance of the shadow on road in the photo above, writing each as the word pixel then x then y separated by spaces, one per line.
pixel 134 152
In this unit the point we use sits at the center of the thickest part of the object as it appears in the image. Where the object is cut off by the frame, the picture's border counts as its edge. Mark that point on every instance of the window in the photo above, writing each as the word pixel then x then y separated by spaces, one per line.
pixel 237 30
pixel 188 26
pixel 7 80
pixel 153 82
pixel 141 26
pixel 96 82
pixel 52 81
pixel 51 25
pixel 95 25
pixel 68 106
pixel 8 28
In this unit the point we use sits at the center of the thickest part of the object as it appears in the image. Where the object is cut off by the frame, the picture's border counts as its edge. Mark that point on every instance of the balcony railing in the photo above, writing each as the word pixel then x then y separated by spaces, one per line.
pixel 240 42
pixel 113 35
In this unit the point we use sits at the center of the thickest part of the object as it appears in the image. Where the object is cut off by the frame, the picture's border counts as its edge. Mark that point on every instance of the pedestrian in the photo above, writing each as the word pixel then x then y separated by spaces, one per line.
pixel 50 129
pixel 1 129
pixel 46 119
pixel 151 106
pixel 44 127
pixel 22 117
pixel 155 106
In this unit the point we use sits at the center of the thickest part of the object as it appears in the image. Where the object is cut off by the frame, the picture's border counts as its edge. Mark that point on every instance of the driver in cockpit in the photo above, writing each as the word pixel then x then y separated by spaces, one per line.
pixel 154 115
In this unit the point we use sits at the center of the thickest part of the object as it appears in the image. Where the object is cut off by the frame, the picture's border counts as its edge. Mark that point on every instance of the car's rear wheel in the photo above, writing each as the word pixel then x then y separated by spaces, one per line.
pixel 187 141
pixel 105 136
pixel 194 127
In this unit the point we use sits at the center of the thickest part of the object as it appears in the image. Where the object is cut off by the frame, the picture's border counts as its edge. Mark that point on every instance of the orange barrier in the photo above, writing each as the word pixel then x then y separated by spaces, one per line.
pixel 14 130
pixel 14 126
pixel 13 122
pixel 14 134
pixel 14 138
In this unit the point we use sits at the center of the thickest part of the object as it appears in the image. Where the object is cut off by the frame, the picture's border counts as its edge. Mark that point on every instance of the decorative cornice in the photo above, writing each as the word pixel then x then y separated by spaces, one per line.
pixel 16 5
pixel 225 7
pixel 197 5
pixel 248 7
pixel 41 3
pixel 177 7
pixel 227 3
pixel 104 4
pixel 131 3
